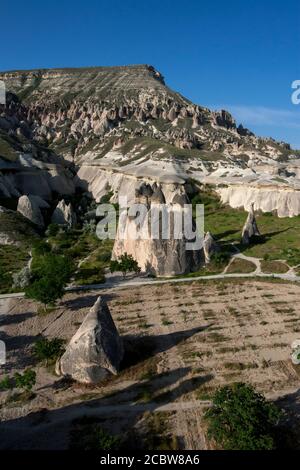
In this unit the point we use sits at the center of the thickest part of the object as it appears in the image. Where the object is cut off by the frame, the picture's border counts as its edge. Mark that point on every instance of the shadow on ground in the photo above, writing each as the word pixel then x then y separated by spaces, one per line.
pixel 50 429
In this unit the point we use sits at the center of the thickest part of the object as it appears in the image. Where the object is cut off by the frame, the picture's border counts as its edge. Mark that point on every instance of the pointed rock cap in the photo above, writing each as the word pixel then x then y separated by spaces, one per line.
pixel 95 350
pixel 209 246
pixel 250 228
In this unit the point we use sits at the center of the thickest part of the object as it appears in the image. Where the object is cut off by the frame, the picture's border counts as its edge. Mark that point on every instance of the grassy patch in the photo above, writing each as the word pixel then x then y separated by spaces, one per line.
pixel 279 238
pixel 273 267
pixel 12 260
pixel 158 435
pixel 240 265
pixel 79 246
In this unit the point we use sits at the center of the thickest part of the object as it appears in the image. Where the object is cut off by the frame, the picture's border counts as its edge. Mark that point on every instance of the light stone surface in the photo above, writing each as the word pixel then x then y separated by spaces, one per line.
pixel 64 214
pixel 250 228
pixel 30 207
pixel 209 247
pixel 159 256
pixel 96 349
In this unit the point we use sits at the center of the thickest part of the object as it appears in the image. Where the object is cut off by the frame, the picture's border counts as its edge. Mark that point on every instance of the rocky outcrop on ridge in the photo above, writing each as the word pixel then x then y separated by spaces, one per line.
pixel 15 229
pixel 30 207
pixel 64 214
pixel 96 349
pixel 73 110
pixel 163 255
pixel 210 247
pixel 250 228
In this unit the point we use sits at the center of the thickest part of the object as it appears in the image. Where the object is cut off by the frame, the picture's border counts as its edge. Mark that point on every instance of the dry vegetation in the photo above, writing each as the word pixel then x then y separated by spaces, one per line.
pixel 181 340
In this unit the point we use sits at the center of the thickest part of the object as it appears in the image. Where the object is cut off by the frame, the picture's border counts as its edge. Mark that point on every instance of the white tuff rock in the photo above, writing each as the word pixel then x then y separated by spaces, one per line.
pixel 64 214
pixel 96 349
pixel 30 207
pixel 250 228
pixel 209 247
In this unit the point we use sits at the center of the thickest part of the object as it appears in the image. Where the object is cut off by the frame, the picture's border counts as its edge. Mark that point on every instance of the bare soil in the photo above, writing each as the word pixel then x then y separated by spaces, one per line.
pixel 181 342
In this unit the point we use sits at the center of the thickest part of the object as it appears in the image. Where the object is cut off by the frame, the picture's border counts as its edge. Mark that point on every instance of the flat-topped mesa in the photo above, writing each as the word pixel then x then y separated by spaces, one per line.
pixel 63 84
pixel 250 228
pixel 45 73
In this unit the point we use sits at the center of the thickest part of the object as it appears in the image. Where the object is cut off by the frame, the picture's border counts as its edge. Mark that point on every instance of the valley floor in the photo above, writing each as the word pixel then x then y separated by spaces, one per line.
pixel 182 340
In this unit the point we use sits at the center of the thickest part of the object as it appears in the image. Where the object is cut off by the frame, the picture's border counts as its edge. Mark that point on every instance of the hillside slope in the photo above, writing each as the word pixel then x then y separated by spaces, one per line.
pixel 126 121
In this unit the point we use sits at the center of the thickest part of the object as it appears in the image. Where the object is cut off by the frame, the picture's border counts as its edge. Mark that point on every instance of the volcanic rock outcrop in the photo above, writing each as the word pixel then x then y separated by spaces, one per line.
pixel 150 237
pixel 30 207
pixel 250 228
pixel 209 247
pixel 96 349
pixel 64 214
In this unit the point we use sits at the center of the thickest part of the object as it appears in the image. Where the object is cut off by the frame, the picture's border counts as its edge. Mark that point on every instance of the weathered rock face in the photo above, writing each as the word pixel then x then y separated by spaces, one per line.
pixel 64 214
pixel 96 349
pixel 15 229
pixel 121 125
pixel 250 228
pixel 283 200
pixel 209 247
pixel 30 207
pixel 162 256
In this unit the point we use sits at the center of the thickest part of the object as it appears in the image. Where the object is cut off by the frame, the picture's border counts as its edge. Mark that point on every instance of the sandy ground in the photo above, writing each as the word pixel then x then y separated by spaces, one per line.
pixel 181 342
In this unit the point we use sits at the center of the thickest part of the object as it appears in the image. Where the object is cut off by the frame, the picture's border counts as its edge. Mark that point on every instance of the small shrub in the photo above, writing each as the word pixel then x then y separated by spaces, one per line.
pixel 48 350
pixel 40 248
pixel 104 257
pixel 220 258
pixel 26 380
pixel 22 278
pixel 89 226
pixel 52 230
pixel 5 383
pixel 94 438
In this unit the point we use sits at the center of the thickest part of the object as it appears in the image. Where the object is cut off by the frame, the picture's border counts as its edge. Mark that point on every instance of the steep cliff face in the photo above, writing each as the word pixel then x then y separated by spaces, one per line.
pixel 281 199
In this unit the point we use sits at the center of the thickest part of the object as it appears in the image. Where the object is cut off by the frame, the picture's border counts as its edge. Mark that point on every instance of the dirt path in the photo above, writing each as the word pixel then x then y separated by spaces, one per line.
pixel 4 305
pixel 120 284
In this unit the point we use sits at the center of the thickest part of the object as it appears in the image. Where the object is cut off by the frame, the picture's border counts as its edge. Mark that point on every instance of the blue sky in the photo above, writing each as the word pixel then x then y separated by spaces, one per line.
pixel 242 56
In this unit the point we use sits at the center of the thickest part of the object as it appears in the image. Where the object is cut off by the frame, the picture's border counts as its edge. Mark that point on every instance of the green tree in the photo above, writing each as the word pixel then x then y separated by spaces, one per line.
pixel 26 380
pixel 50 274
pixel 126 263
pixel 242 419
pixel 114 266
pixel 5 383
